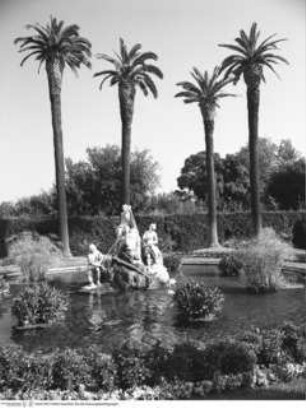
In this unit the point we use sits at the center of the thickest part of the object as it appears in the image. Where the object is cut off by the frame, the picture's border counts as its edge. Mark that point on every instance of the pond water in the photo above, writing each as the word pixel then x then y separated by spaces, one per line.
pixel 109 319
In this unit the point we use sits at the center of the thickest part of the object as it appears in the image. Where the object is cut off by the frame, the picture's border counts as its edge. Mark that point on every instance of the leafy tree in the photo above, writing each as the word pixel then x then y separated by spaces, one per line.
pixel 207 92
pixel 249 59
pixel 287 185
pixel 131 71
pixel 93 186
pixel 57 46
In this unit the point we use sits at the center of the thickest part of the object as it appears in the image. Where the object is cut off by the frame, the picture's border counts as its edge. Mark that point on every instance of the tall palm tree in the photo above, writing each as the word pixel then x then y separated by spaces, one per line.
pixel 249 59
pixel 130 70
pixel 206 92
pixel 56 46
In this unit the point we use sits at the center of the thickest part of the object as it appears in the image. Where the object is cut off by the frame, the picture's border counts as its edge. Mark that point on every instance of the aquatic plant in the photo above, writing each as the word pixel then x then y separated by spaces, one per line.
pixel 195 300
pixel 230 265
pixel 39 303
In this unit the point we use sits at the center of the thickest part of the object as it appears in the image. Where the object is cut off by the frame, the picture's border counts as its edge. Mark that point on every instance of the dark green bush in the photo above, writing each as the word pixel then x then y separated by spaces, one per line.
pixel 172 262
pixel 131 369
pixel 70 369
pixel 228 357
pixel 102 369
pixel 294 342
pixel 271 351
pixel 299 233
pixel 20 371
pixel 39 303
pixel 253 340
pixel 195 300
pixel 230 265
pixel 156 359
pixel 185 363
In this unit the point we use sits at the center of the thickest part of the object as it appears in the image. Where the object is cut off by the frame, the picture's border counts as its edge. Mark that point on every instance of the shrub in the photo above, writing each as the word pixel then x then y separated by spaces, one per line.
pixel 102 369
pixel 39 303
pixel 20 371
pixel 156 359
pixel 34 254
pixel 172 262
pixel 271 351
pixel 230 265
pixel 299 233
pixel 185 363
pixel 262 262
pixel 228 357
pixel 194 300
pixel 131 370
pixel 252 339
pixel 293 342
pixel 70 369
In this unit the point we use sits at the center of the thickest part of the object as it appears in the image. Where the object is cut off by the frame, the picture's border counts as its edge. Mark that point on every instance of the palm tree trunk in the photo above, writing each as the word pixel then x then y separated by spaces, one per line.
pixel 253 97
pixel 126 100
pixel 210 168
pixel 54 80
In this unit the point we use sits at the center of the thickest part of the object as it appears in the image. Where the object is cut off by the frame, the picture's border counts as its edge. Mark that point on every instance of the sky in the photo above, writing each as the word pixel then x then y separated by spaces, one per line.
pixel 184 34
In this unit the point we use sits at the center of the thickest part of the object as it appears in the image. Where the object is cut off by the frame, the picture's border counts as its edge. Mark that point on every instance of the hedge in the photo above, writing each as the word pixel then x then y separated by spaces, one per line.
pixel 176 232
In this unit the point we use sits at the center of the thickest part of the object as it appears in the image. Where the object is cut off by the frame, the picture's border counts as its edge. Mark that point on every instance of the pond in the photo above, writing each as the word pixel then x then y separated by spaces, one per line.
pixel 109 319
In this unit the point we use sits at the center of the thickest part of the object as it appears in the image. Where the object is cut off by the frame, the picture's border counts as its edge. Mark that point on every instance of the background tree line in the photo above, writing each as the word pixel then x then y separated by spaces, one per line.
pixel 93 185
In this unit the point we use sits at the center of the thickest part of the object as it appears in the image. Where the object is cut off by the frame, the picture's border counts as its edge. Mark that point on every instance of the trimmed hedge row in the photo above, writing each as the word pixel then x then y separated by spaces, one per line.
pixel 176 232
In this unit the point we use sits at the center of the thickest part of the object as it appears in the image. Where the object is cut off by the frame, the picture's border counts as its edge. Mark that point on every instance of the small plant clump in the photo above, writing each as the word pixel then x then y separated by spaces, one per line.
pixel 262 262
pixel 39 303
pixel 197 301
pixel 172 262
pixel 230 265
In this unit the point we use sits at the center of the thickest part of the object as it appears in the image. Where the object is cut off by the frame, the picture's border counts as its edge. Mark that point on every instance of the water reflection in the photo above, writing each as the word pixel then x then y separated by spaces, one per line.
pixel 108 319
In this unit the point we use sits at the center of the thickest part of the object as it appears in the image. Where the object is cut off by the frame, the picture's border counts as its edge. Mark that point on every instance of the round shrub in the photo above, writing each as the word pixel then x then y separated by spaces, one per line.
pixel 230 265
pixel 185 363
pixel 102 369
pixel 130 366
pixel 299 234
pixel 70 369
pixel 195 300
pixel 293 342
pixel 39 303
pixel 172 262
pixel 271 351
pixel 156 359
pixel 228 357
pixel 252 339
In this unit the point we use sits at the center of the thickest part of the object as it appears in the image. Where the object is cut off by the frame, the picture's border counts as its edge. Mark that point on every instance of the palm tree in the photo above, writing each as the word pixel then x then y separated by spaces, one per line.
pixel 206 92
pixel 250 59
pixel 56 46
pixel 130 70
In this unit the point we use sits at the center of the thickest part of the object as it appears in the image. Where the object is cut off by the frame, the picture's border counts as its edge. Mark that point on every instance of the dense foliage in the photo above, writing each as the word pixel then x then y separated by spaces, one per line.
pixel 133 371
pixel 94 185
pixel 282 177
pixel 39 303
pixel 177 232
pixel 195 300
